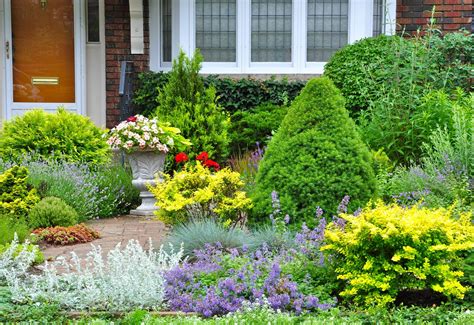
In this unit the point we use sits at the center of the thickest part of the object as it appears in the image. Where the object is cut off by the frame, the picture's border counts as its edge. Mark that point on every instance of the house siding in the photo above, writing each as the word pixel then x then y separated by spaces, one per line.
pixel 451 15
pixel 117 38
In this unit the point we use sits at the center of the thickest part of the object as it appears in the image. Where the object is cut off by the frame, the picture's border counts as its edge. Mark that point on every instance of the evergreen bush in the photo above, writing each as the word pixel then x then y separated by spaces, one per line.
pixel 191 107
pixel 315 158
pixel 50 212
pixel 16 197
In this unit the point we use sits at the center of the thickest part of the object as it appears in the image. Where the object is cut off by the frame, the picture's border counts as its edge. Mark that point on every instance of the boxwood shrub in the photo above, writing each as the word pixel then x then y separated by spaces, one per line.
pixel 315 158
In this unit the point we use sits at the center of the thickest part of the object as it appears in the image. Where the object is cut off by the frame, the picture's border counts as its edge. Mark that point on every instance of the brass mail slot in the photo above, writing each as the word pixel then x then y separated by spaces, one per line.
pixel 45 80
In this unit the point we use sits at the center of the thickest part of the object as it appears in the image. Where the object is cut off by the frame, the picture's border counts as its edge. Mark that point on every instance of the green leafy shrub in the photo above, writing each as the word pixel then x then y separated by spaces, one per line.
pixel 192 108
pixel 446 171
pixel 401 127
pixel 9 226
pixel 59 136
pixel 196 192
pixel 16 198
pixel 315 158
pixel 232 94
pixel 366 70
pixel 254 126
pixel 51 212
pixel 388 249
pixel 352 66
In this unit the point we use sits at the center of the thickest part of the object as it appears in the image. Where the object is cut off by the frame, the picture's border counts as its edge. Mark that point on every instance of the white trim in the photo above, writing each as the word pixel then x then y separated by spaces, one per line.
pixel 155 34
pixel 390 17
pixel 79 65
pixel 360 25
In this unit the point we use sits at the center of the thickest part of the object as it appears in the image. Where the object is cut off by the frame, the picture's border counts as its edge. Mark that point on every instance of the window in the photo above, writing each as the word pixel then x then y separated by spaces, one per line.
pixel 262 36
pixel 271 30
pixel 327 28
pixel 166 30
pixel 216 30
pixel 93 30
pixel 379 17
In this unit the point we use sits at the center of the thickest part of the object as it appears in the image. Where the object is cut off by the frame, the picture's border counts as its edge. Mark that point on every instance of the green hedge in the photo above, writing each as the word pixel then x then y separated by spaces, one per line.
pixel 233 94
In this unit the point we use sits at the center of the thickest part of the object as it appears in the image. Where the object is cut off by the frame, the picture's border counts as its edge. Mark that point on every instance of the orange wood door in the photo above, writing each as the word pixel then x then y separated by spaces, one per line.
pixel 43 51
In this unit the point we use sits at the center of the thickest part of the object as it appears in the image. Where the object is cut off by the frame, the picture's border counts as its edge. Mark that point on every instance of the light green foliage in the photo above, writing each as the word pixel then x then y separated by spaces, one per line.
pixel 315 158
pixel 255 125
pixel 387 249
pixel 59 136
pixel 190 107
pixel 51 212
pixel 15 196
pixel 38 255
pixel 196 192
pixel 401 125
pixel 446 167
pixel 352 66
pixel 11 225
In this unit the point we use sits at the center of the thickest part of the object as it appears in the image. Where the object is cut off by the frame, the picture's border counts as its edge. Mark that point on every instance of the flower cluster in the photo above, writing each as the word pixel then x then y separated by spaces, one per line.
pixel 203 157
pixel 139 132
pixel 218 283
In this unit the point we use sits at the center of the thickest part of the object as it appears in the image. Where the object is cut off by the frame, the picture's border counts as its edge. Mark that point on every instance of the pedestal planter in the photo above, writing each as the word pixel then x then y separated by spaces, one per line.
pixel 146 167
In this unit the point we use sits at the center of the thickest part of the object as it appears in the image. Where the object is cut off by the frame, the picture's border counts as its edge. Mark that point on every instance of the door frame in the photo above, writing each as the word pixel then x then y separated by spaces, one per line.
pixel 79 66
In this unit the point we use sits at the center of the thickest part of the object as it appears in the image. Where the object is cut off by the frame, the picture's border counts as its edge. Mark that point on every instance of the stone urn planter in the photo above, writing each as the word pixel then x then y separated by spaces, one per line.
pixel 147 166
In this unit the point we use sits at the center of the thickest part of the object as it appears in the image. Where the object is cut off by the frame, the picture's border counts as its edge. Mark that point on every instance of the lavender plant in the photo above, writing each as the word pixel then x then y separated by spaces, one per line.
pixel 128 278
pixel 99 192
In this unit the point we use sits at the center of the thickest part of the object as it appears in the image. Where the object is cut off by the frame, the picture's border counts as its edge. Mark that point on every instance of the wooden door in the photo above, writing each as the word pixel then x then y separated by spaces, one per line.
pixel 42 50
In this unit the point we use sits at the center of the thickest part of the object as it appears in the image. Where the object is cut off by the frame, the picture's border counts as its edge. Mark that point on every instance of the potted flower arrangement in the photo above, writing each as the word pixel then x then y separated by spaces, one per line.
pixel 145 143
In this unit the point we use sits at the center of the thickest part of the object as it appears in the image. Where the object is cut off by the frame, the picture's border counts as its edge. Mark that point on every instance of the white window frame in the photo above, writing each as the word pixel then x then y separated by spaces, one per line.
pixel 184 37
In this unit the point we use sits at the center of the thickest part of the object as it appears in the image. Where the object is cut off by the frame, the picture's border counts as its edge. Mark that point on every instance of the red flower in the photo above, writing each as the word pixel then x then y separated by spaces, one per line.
pixel 212 164
pixel 181 157
pixel 203 156
pixel 132 119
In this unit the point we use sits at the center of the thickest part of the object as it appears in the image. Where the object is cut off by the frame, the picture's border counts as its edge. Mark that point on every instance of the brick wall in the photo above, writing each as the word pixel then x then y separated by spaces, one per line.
pixel 451 15
pixel 117 49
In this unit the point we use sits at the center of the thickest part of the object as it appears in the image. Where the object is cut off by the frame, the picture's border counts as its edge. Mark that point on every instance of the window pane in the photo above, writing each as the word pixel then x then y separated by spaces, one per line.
pixel 93 32
pixel 166 29
pixel 271 30
pixel 327 28
pixel 379 17
pixel 216 29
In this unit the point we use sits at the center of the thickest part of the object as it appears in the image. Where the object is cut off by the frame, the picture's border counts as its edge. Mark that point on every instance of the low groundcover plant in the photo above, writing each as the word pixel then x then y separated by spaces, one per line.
pixel 128 278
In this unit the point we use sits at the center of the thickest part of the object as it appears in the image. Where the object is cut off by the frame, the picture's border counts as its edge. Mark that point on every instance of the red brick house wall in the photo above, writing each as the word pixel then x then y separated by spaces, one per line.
pixel 451 15
pixel 117 49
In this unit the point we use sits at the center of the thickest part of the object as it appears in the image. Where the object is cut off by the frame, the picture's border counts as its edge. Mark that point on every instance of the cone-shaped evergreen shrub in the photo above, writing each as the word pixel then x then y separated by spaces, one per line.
pixel 315 158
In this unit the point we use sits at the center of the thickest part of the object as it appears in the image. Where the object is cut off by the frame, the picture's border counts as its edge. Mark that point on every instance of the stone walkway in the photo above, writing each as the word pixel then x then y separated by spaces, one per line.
pixel 113 231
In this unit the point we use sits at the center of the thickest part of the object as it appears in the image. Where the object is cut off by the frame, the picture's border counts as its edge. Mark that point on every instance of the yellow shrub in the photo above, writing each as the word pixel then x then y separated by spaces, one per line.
pixel 199 193
pixel 389 248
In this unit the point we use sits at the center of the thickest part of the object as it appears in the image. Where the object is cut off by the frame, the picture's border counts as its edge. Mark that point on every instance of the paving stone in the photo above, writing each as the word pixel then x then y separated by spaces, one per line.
pixel 114 231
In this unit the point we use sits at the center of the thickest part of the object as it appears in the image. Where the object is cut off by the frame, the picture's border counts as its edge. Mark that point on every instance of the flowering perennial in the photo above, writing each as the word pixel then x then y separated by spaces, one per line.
pixel 139 132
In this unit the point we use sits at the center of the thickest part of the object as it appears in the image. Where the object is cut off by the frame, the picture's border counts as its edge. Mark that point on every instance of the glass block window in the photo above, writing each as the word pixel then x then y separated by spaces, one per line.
pixel 379 17
pixel 93 29
pixel 271 30
pixel 166 29
pixel 327 29
pixel 216 30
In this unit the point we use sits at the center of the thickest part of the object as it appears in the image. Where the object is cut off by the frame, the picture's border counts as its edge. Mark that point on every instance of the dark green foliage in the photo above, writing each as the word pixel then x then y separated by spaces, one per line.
pixel 59 136
pixel 51 212
pixel 9 226
pixel 255 125
pixel 16 197
pixel 189 106
pixel 232 94
pixel 315 158
pixel 351 67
